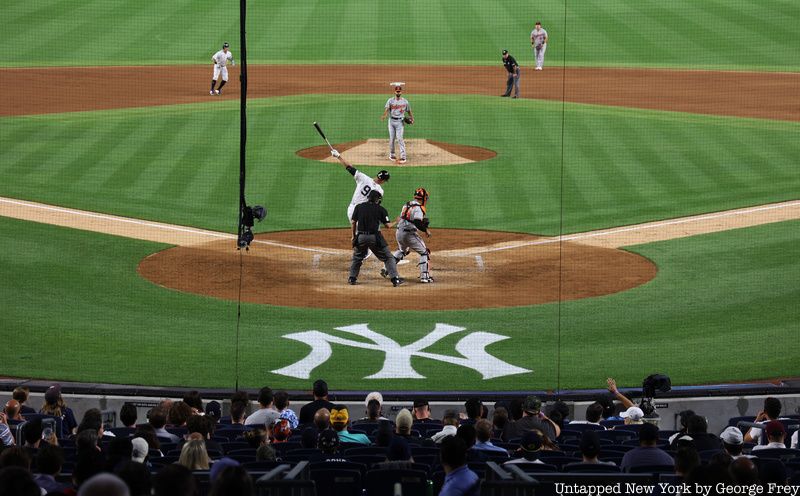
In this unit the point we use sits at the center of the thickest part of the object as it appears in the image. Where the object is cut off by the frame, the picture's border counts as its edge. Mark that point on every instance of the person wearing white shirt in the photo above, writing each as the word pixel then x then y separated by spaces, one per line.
pixel 220 60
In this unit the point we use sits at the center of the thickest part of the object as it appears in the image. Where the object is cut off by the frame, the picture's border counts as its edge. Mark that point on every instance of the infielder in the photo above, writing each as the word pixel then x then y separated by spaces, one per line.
pixel 220 60
pixel 413 219
pixel 396 108
pixel 539 45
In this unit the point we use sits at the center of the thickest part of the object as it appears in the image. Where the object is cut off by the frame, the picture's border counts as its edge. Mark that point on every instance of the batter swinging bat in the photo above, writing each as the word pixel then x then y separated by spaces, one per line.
pixel 319 130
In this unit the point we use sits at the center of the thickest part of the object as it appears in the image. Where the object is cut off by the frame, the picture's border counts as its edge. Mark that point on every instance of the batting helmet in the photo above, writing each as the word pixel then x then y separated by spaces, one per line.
pixel 375 196
pixel 225 45
pixel 421 194
pixel 383 175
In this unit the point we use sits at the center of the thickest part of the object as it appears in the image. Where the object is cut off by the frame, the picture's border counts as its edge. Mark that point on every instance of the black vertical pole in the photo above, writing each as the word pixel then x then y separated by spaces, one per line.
pixel 243 108
pixel 242 167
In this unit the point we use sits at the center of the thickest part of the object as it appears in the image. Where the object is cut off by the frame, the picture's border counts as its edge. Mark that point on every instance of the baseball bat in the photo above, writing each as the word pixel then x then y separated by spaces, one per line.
pixel 319 130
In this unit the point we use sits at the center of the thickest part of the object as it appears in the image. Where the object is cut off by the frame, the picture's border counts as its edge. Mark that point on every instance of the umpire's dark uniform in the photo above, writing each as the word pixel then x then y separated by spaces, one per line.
pixel 367 218
pixel 510 63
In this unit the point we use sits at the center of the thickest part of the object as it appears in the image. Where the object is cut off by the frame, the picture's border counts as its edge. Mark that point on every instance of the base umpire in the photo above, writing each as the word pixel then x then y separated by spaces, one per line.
pixel 366 220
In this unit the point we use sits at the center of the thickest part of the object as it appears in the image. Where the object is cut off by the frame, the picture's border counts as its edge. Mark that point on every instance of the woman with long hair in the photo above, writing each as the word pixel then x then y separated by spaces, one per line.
pixel 54 405
pixel 194 455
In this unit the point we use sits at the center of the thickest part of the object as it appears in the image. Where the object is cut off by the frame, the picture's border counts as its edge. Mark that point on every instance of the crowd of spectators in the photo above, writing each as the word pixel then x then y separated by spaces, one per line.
pixel 179 439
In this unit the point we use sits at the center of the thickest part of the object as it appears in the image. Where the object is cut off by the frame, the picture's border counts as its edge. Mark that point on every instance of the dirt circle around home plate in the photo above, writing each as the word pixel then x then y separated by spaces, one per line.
pixel 420 153
pixel 472 269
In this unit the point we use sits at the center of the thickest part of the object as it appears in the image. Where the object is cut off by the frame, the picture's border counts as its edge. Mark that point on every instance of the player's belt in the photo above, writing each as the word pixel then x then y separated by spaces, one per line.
pixel 367 232
pixel 410 230
pixel 397 118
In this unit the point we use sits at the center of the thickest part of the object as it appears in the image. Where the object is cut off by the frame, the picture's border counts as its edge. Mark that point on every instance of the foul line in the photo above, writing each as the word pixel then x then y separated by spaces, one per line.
pixel 149 224
pixel 632 228
pixel 475 252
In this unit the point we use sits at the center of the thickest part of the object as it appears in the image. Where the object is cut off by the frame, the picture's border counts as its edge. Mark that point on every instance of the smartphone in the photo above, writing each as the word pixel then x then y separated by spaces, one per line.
pixel 47 432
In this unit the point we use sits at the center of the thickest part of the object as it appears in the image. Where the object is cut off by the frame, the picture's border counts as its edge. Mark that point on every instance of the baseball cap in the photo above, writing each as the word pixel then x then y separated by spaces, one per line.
pixel 633 413
pixel 531 441
pixel 732 435
pixel 140 449
pixel 373 396
pixel 505 52
pixel 420 402
pixel 532 404
pixel 384 174
pixel 53 393
pixel 774 428
pixel 339 415
pixel 225 45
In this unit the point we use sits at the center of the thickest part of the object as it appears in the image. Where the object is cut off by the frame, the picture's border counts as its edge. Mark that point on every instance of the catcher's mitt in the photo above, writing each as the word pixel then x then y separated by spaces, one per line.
pixel 408 120
pixel 426 222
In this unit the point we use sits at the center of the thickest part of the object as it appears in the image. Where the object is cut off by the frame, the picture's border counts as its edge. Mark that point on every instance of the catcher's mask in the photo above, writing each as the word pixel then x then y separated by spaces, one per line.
pixel 375 196
pixel 383 175
pixel 421 194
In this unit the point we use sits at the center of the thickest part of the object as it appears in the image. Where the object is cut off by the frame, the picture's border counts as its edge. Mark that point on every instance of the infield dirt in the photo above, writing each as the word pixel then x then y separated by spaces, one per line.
pixel 744 94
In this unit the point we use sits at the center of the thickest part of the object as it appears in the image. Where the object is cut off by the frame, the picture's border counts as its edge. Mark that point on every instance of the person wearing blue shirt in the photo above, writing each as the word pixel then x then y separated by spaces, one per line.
pixel 459 480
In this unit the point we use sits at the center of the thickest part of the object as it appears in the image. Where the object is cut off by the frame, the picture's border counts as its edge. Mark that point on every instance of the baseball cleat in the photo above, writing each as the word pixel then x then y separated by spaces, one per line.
pixel 515 96
pixel 426 280
pixel 351 281
pixel 211 92
pixel 384 273
pixel 402 161
pixel 219 91
pixel 538 68
pixel 396 281
pixel 505 95
pixel 392 158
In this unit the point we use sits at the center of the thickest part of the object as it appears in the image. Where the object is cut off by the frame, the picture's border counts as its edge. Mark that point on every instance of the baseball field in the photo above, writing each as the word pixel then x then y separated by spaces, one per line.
pixel 636 210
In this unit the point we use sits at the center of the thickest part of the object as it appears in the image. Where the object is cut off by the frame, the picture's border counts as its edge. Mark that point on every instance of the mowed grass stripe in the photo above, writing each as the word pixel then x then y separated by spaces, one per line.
pixel 625 139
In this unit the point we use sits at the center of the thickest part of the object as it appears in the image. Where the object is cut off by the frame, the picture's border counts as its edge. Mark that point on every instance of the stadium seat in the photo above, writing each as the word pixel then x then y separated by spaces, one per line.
pixel 122 431
pixel 590 467
pixel 582 427
pixel 382 481
pixel 359 467
pixel 260 465
pixel 367 460
pixel 652 469
pixel 616 436
pixel 777 453
pixel 734 421
pixel 611 423
pixel 366 450
pixel 336 482
pixel 229 446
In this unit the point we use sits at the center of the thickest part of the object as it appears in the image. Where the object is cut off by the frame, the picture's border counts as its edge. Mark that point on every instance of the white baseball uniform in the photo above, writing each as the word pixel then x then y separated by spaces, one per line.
pixel 539 42
pixel 397 110
pixel 221 59
pixel 364 184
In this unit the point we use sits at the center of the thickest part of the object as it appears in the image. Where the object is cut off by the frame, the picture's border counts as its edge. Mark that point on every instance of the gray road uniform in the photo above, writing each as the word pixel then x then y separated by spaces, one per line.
pixel 413 220
pixel 397 108
pixel 539 46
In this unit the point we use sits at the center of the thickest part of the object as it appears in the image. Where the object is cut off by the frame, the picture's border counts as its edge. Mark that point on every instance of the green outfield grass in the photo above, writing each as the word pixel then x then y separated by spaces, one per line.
pixel 78 293
pixel 716 34
pixel 621 166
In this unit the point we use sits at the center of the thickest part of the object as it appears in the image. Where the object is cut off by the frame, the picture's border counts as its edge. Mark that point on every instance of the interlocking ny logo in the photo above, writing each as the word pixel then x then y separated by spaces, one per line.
pixel 397 364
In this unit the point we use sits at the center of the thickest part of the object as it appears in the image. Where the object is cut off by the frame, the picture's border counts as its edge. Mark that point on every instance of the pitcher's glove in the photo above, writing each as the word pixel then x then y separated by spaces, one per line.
pixel 408 120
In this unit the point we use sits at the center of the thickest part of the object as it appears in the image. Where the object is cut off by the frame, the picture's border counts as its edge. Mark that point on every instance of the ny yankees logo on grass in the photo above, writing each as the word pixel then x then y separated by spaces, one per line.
pixel 397 364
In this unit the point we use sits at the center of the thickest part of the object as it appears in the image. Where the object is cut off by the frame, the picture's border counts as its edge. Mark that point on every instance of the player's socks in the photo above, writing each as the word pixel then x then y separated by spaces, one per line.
pixel 222 84
pixel 213 83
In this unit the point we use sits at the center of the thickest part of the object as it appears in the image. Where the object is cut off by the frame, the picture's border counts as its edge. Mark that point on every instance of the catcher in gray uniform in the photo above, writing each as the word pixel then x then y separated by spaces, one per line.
pixel 413 219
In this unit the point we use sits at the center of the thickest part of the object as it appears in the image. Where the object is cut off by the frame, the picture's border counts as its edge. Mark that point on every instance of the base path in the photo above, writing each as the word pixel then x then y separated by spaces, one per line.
pixel 486 269
pixel 766 95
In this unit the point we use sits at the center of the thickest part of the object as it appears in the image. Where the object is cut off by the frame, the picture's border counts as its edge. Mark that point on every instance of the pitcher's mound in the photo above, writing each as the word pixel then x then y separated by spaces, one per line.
pixel 473 269
pixel 419 153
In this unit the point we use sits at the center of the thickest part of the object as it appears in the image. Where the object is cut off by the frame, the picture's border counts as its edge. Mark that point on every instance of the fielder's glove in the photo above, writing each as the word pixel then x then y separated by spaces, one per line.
pixel 335 153
pixel 408 120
